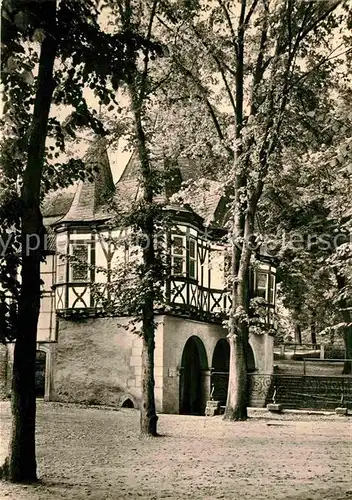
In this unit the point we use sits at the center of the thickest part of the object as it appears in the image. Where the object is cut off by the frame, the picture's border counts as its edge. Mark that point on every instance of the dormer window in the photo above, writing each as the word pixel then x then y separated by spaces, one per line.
pixel 79 262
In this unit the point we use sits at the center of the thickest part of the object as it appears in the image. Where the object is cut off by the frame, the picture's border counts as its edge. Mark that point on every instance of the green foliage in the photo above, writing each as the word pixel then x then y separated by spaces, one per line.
pixel 87 57
pixel 309 208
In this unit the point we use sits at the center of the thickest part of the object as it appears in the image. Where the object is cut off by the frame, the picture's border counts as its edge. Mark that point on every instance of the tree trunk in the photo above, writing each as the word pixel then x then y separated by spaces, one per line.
pixel 313 329
pixel 298 334
pixel 148 420
pixel 237 395
pixel 20 465
pixel 148 417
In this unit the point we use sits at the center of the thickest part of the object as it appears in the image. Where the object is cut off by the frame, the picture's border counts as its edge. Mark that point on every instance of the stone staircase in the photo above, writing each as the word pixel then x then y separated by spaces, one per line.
pixel 311 392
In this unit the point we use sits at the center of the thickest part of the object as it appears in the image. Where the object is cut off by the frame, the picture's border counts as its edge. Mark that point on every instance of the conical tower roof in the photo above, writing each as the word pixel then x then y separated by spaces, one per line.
pixel 89 200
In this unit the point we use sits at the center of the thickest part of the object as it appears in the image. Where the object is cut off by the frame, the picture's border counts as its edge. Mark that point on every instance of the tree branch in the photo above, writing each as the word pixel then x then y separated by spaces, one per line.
pixel 229 22
pixel 259 68
pixel 250 12
pixel 146 53
pixel 204 96
pixel 220 65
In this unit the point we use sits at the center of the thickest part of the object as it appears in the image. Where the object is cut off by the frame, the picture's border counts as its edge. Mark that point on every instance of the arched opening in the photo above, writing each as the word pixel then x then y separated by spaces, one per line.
pixel 127 404
pixel 220 372
pixel 250 359
pixel 40 366
pixel 220 369
pixel 192 383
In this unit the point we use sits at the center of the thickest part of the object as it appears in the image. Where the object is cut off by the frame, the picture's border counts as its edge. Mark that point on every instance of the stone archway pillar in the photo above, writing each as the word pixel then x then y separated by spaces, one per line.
pixel 206 387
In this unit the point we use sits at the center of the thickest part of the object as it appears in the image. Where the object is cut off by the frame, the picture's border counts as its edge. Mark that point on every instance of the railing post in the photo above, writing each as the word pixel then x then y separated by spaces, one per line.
pixel 322 351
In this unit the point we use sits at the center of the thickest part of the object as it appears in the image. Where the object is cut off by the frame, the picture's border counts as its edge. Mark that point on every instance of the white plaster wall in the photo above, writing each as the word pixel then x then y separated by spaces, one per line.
pixel 262 346
pixel 176 333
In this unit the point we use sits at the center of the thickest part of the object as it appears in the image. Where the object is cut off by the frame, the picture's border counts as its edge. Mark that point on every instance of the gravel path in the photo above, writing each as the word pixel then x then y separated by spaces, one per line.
pixel 86 453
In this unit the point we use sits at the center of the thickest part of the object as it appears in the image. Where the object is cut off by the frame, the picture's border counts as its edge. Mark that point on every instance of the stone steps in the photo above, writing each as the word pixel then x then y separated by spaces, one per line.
pixel 311 392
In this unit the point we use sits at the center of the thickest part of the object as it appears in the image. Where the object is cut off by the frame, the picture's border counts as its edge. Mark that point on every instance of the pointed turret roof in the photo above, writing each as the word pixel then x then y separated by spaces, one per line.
pixel 90 196
pixel 206 197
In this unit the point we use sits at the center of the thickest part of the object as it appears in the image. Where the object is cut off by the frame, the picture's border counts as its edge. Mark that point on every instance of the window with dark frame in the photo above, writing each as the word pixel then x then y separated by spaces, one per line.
pixel 271 295
pixel 192 264
pixel 60 262
pixel 79 262
pixel 178 252
pixel 261 285
pixel 265 286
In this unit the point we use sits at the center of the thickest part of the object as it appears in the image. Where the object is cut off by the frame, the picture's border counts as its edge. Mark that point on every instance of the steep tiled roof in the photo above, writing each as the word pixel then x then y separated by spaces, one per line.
pixel 188 168
pixel 89 201
pixel 85 201
pixel 57 203
pixel 206 194
pixel 131 170
pixel 205 199
pixel 51 238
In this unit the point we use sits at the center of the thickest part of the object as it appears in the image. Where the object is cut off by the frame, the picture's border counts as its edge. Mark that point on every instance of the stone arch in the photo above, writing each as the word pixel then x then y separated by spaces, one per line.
pixel 220 370
pixel 127 403
pixel 194 367
pixel 251 364
pixel 221 356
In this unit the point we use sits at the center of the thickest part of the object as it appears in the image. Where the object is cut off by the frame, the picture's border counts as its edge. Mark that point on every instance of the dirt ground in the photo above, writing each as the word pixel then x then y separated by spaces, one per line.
pixel 91 453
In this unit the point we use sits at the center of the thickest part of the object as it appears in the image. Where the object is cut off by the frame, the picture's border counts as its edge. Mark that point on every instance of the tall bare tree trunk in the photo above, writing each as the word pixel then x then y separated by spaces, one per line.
pixel 313 328
pixel 148 418
pixel 298 334
pixel 20 465
pixel 237 395
pixel 236 403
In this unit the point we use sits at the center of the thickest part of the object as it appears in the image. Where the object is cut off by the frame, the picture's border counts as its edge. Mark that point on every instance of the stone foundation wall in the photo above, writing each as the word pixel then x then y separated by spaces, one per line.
pixel 97 361
pixel 92 362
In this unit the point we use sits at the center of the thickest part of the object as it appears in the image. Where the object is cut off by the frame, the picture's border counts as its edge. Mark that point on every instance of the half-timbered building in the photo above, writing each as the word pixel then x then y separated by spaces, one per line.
pixel 88 356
